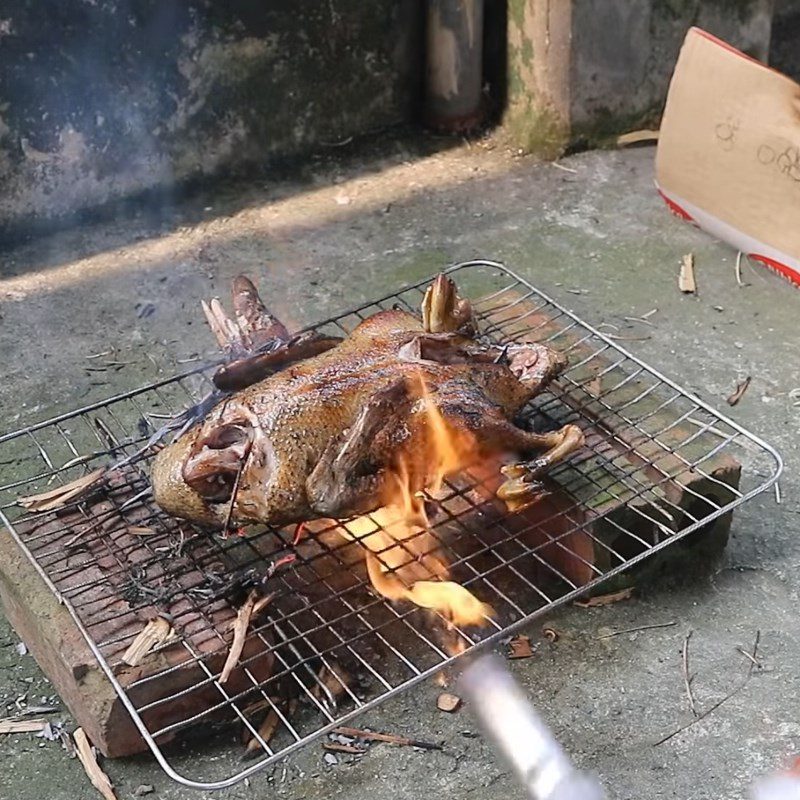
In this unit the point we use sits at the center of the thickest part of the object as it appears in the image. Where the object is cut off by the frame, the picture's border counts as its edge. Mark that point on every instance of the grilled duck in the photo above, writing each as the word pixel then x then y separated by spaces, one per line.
pixel 325 435
pixel 314 427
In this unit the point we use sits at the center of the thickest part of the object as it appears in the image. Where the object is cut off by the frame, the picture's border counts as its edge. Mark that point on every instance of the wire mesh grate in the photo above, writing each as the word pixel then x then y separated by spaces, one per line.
pixel 658 465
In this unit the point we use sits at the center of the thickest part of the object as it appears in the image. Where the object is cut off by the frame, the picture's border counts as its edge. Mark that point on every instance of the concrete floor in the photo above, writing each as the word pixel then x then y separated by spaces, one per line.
pixel 351 230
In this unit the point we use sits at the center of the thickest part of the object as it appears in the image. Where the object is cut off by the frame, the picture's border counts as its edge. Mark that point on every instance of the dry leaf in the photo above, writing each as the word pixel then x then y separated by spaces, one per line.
pixel 240 626
pixel 637 137
pixel 595 386
pixel 96 775
pixel 605 599
pixel 157 632
pixel 22 725
pixel 61 495
pixel 741 388
pixel 448 702
pixel 686 282
pixel 520 647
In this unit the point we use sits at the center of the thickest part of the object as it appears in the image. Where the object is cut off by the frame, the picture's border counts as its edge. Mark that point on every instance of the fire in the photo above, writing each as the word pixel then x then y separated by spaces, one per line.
pixel 403 558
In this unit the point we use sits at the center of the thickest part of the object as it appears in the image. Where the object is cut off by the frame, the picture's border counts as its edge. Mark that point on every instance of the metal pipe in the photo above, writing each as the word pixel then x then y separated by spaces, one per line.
pixel 520 736
pixel 454 55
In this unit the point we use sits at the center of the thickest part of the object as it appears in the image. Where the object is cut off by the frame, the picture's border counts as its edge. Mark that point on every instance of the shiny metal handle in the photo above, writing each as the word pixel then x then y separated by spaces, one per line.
pixel 520 736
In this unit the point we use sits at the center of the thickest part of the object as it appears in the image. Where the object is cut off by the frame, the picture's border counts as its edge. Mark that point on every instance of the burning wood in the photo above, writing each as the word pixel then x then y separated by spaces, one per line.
pixel 99 779
pixel 61 495
pixel 157 632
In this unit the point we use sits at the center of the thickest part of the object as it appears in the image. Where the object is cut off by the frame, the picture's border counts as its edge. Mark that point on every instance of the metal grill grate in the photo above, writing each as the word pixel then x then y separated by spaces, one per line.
pixel 653 471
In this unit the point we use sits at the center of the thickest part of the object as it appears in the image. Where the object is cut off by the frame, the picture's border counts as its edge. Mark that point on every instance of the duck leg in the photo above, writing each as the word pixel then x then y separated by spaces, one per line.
pixel 522 486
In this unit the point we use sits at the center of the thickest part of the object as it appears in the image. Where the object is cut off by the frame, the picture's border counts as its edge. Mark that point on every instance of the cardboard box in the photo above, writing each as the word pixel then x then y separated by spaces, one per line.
pixel 728 154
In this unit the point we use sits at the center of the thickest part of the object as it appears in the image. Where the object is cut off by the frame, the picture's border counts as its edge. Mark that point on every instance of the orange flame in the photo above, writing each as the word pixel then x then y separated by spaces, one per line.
pixel 404 561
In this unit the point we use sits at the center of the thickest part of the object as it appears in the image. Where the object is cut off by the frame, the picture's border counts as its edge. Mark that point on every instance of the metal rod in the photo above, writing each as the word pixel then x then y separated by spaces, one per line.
pixel 520 736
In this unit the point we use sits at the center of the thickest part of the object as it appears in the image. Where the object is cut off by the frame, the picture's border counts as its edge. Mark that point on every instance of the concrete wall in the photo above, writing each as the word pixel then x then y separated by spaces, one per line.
pixel 624 53
pixel 102 99
pixel 610 71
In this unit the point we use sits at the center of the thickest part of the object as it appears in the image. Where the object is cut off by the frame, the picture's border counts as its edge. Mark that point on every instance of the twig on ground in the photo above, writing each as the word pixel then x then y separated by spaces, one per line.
pixel 753 656
pixel 389 738
pixel 605 599
pixel 687 678
pixel 636 630
pixel 719 702
pixel 738 393
pixel 739 268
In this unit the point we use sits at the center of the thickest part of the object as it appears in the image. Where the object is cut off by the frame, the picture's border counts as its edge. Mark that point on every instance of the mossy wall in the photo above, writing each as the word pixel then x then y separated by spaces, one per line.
pixel 102 99
pixel 621 55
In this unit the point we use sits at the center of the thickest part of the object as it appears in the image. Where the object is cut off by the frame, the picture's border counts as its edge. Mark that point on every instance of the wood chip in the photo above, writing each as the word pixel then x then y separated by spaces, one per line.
pixel 141 530
pixel 344 748
pixel 686 282
pixel 240 626
pixel 551 634
pixel 262 603
pixel 637 137
pixel 61 495
pixel 157 632
pixel 266 731
pixel 389 738
pixel 741 388
pixel 96 775
pixel 605 599
pixel 271 722
pixel 520 647
pixel 330 682
pixel 448 702
pixel 22 725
